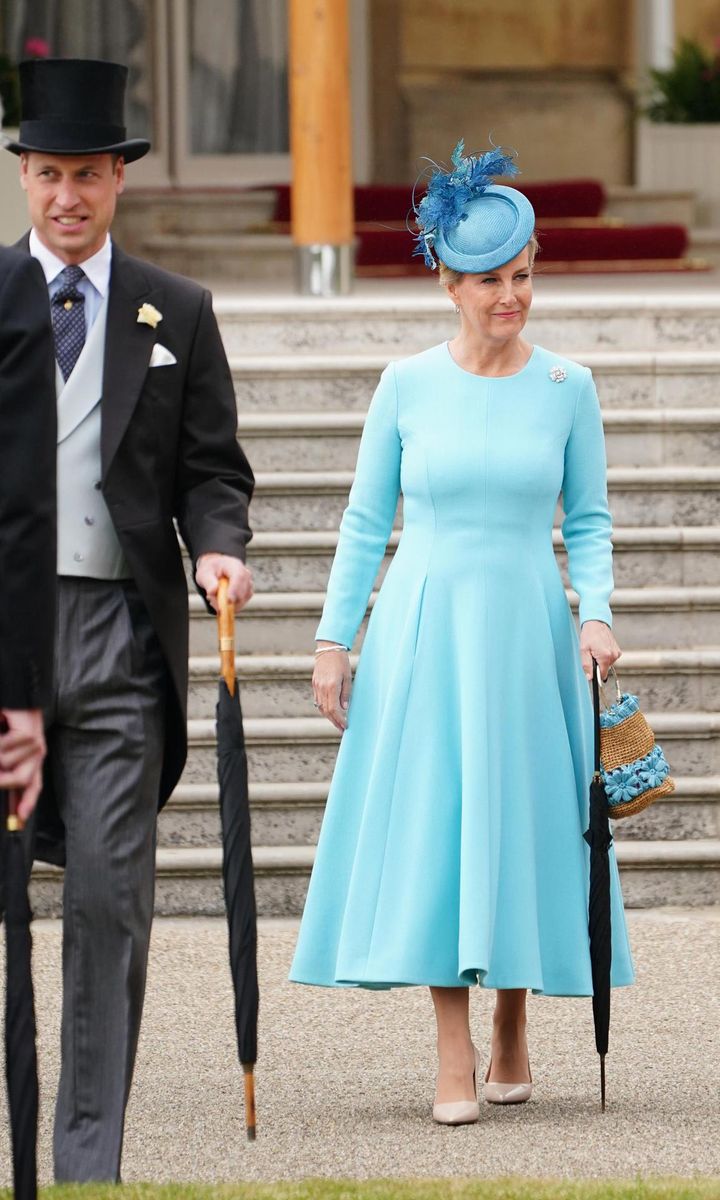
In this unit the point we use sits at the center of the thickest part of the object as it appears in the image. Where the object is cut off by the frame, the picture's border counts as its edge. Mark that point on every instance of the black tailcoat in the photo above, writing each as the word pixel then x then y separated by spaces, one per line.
pixel 28 437
pixel 169 454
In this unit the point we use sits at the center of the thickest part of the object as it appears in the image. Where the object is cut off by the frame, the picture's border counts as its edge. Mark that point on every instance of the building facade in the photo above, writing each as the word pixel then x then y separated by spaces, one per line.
pixel 557 79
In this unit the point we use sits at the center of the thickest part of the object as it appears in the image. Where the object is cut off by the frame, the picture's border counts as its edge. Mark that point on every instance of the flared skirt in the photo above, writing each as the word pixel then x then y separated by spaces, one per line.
pixel 452 849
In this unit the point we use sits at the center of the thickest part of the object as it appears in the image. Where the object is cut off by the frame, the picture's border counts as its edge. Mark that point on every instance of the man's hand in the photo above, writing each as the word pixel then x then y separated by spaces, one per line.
pixel 211 568
pixel 22 750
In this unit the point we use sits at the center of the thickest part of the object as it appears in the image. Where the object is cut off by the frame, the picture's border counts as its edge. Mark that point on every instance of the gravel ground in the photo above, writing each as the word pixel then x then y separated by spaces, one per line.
pixel 345 1078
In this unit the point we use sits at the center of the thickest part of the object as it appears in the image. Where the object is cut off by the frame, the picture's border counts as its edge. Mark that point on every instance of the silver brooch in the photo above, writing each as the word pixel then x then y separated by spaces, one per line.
pixel 558 374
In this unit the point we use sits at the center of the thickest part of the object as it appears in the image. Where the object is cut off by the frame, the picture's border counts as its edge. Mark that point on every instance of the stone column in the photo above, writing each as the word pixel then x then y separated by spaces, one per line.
pixel 654 34
pixel 321 145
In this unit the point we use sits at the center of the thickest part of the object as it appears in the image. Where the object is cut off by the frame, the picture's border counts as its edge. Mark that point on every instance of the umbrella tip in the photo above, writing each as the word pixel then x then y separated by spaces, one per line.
pixel 251 1133
pixel 602 1083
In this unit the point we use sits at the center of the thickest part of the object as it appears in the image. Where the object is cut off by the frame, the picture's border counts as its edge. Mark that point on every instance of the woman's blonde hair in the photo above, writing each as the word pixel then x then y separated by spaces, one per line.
pixel 447 275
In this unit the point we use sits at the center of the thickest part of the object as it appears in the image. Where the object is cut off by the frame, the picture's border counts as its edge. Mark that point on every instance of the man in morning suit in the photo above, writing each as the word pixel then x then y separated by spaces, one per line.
pixel 27 524
pixel 146 435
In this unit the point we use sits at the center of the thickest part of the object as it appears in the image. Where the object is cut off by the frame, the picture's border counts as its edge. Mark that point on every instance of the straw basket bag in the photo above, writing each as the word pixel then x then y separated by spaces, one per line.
pixel 634 769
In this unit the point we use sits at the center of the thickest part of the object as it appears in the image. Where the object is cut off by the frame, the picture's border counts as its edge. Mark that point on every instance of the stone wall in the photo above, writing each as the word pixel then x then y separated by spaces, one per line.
pixel 561 125
pixel 698 19
pixel 548 78
pixel 517 35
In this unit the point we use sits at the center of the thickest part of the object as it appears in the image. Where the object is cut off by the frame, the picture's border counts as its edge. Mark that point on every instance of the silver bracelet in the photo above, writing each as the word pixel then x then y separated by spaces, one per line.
pixel 326 649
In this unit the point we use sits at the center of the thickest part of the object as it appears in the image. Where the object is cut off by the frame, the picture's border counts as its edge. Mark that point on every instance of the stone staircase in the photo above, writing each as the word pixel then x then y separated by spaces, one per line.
pixel 227 234
pixel 304 373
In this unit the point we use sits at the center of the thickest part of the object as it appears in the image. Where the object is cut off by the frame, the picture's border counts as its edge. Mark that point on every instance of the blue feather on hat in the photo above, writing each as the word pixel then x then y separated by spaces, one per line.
pixel 449 191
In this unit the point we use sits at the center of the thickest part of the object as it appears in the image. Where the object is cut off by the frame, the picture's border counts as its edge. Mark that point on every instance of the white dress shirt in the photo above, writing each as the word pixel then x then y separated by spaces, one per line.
pixel 94 287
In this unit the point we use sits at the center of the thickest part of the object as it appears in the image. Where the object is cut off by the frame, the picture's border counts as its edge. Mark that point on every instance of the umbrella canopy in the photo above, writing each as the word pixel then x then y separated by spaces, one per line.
pixel 20 1031
pixel 237 857
pixel 599 839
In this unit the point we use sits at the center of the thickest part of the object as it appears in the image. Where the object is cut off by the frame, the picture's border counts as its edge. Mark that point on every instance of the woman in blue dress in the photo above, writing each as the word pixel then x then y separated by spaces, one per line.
pixel 452 850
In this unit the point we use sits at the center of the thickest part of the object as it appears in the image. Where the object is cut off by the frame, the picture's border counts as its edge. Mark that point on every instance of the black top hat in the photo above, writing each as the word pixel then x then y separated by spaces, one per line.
pixel 74 106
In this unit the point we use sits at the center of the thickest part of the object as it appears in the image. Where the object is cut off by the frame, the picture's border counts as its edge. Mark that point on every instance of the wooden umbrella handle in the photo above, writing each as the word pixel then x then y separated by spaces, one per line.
pixel 14 823
pixel 226 636
pixel 250 1118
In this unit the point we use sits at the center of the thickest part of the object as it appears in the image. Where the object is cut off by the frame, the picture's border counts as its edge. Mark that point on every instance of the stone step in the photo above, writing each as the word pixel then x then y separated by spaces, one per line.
pixel 279 685
pixel 397 322
pixel 283 749
pixel 345 382
pixel 291 814
pixel 692 812
pixel 189 881
pixel 635 205
pixel 645 618
pixel 672 680
pixel 644 556
pixel 271 685
pixel 225 257
pixel 647 496
pixel 640 437
pixel 143 212
pixel 662 555
pixel 705 244
pixel 279 750
pixel 282 814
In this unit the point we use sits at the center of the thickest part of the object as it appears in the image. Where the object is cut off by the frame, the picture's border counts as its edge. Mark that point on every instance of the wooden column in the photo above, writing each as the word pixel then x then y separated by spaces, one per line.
pixel 321 144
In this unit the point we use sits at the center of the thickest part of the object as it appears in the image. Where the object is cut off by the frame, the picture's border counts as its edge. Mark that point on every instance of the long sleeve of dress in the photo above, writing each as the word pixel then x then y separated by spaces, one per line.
pixel 368 519
pixel 587 527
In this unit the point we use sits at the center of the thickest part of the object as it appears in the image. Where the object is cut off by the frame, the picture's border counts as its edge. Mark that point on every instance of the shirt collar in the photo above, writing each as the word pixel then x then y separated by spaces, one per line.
pixel 97 267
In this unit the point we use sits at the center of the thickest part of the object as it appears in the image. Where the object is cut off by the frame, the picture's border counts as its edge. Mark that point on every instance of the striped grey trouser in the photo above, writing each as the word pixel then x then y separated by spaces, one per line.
pixel 105 739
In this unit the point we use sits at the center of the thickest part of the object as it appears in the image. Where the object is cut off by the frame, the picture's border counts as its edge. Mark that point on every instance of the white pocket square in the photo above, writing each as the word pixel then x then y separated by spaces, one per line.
pixel 161 356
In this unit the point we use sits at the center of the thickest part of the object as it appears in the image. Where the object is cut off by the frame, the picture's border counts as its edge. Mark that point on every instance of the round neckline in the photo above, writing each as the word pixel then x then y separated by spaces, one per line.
pixel 488 378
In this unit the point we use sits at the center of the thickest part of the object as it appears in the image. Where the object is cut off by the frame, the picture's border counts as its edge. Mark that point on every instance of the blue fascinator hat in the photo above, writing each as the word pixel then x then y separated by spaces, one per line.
pixel 467 221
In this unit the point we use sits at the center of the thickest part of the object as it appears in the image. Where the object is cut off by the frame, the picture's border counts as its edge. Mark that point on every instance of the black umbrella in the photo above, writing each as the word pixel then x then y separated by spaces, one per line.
pixel 237 855
pixel 20 1031
pixel 599 839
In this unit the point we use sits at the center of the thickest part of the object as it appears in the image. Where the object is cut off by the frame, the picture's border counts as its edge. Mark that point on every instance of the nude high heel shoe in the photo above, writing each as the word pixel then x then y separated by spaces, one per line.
pixel 460 1112
pixel 507 1093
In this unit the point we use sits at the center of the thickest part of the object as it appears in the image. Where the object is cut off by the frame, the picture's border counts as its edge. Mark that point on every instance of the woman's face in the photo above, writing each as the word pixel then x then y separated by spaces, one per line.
pixel 495 305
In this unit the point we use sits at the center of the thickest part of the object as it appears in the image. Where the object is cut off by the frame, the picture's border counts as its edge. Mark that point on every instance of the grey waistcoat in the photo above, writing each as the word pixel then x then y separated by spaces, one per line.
pixel 87 542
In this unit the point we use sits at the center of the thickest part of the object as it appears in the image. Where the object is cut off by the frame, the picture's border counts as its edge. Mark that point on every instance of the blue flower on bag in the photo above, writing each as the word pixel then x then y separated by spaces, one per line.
pixel 622 784
pixel 654 769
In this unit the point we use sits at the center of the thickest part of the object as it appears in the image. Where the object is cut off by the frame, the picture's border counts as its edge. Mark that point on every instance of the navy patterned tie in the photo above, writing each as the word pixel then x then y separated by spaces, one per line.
pixel 68 316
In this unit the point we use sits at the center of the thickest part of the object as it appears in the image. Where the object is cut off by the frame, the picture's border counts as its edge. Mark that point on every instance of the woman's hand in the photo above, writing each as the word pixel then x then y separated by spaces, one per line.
pixel 597 641
pixel 331 683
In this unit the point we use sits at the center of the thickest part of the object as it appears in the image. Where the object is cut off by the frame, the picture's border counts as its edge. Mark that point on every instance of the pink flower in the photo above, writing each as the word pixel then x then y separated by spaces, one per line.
pixel 37 47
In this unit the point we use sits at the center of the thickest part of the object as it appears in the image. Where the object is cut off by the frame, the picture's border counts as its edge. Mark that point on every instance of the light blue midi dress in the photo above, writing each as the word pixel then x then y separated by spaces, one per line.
pixel 452 850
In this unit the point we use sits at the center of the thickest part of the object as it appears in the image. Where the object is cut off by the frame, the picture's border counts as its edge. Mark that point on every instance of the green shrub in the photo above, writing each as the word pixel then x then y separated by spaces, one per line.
pixel 688 92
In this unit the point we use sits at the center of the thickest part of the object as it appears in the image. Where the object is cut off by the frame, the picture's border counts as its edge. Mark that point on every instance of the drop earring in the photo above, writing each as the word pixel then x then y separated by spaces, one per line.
pixel 457 308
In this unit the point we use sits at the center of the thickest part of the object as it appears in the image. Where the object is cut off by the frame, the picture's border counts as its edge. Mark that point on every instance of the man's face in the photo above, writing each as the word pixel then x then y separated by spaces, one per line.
pixel 72 200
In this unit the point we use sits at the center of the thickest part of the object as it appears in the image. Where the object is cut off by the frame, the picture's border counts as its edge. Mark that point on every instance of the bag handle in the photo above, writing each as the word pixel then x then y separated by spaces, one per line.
pixel 597 692
pixel 618 689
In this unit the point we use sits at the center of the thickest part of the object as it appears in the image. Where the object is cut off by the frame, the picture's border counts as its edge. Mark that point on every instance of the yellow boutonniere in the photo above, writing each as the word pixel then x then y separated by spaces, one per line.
pixel 149 315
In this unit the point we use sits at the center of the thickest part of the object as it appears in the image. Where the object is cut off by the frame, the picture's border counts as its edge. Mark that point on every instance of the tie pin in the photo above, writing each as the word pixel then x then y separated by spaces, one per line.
pixel 67 305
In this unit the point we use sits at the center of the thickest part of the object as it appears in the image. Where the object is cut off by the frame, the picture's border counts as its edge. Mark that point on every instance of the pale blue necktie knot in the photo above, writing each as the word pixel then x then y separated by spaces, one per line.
pixel 68 316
